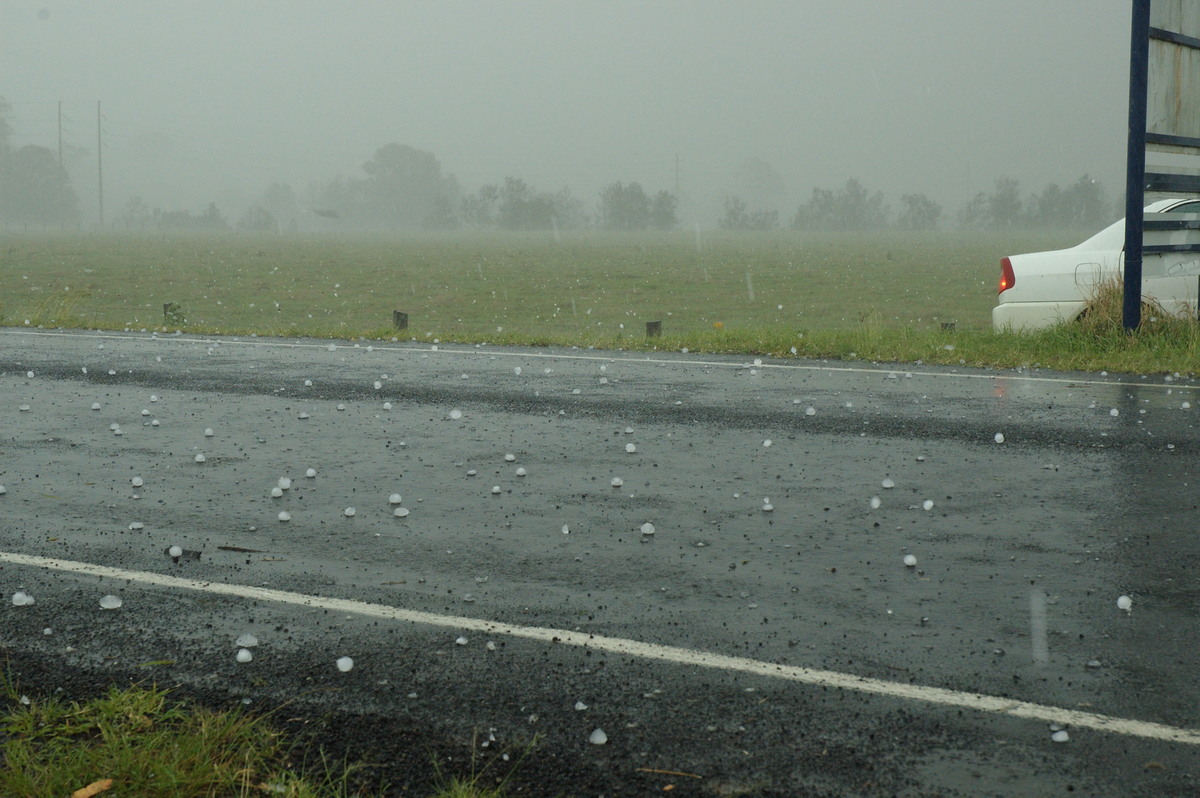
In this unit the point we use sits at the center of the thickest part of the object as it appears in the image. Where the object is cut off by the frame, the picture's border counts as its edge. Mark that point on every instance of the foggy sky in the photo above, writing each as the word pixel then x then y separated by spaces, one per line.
pixel 214 100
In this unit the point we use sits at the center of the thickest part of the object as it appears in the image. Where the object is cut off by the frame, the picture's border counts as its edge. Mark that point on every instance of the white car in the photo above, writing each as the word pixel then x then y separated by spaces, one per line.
pixel 1042 289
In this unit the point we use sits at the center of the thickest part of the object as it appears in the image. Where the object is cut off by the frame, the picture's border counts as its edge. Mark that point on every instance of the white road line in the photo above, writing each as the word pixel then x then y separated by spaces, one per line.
pixel 629 358
pixel 635 648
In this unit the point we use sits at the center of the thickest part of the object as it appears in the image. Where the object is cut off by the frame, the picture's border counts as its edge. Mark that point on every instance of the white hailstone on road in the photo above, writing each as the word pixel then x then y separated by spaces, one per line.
pixel 145 412
pixel 617 482
pixel 341 406
pixel 284 516
pixel 175 551
pixel 566 529
pixel 137 482
pixel 400 512
pixel 471 472
pixel 509 458
pixel 461 641
pixel 244 655
pixel 246 640
pixel 344 664
pixel 630 448
pixel 928 504
pixel 576 392
pixel 766 443
pixel 999 437
pixel 521 471
pixel 117 431
pixel 1114 412
pixel 767 506
pixel 310 473
pixel 495 489
pixel 1060 736
pixel 580 706
pixel 604 380
pixel 910 561
pixel 598 737
pixel 276 493
pixel 629 430
pixel 22 599
pixel 349 512
pixel 395 498
pixel 302 416
pixel 3 490
pixel 333 347
pixel 456 414
pixel 154 422
pixel 490 646
pixel 387 405
pixel 377 384
pixel 308 383
pixel 517 371
pixel 200 458
pixel 647 528
pixel 888 483
pixel 153 397
pixel 95 405
pixel 285 483
pixel 875 502
pixel 110 602
pixel 810 411
pixel 1125 603
pixel 24 408
pixel 208 432
pixel 1186 405
pixel 136 525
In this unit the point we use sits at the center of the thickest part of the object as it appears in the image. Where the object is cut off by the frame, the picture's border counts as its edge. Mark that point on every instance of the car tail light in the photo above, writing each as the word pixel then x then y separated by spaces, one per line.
pixel 1007 278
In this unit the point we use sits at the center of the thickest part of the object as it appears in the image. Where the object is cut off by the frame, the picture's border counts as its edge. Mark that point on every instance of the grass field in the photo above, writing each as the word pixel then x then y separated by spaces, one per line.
pixel 880 296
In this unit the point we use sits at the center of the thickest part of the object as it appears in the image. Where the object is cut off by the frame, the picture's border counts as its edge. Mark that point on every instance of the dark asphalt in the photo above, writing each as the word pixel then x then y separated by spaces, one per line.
pixel 1075 507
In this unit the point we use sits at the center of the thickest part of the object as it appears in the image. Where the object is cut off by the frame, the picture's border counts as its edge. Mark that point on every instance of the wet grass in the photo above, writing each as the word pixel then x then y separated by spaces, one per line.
pixel 136 741
pixel 140 741
pixel 882 296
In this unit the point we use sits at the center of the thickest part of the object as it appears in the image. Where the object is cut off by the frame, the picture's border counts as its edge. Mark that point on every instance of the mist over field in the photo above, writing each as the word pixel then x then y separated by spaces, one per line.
pixel 468 115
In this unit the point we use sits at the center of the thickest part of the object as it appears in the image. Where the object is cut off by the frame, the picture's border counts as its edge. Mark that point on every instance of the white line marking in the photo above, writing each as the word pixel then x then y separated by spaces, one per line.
pixel 630 358
pixel 634 648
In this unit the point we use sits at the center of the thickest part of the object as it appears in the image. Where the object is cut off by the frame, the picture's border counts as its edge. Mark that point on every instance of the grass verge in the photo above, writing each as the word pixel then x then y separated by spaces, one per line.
pixel 137 741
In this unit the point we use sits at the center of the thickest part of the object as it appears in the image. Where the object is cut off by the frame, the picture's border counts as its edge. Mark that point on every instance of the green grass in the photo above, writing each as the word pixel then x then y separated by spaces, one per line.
pixel 153 746
pixel 877 296
pixel 148 746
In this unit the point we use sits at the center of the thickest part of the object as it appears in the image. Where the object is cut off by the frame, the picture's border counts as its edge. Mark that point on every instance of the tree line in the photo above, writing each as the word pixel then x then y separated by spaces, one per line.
pixel 34 187
pixel 404 188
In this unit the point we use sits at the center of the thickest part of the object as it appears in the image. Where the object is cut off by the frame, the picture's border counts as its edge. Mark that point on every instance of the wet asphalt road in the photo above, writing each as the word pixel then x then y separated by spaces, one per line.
pixel 758 480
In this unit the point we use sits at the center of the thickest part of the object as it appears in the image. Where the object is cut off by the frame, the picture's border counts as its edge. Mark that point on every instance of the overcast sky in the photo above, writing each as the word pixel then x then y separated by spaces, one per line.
pixel 214 100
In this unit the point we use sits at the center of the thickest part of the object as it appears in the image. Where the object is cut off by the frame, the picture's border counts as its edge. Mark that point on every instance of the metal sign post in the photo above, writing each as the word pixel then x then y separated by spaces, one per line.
pixel 1163 153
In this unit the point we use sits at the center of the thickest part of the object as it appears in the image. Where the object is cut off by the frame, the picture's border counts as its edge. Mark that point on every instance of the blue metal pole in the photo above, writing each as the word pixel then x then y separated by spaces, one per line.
pixel 1135 165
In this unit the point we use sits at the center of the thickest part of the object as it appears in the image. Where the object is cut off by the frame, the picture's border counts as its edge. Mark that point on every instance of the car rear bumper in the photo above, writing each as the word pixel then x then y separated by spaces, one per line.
pixel 1026 316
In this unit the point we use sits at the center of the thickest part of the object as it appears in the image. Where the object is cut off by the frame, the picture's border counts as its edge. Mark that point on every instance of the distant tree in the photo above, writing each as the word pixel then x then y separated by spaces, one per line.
pixel 5 127
pixel 479 209
pixel 663 208
pixel 280 201
pixel 918 212
pixel 1086 204
pixel 569 213
pixel 851 207
pixel 136 214
pixel 521 208
pixel 759 184
pixel 257 219
pixel 34 188
pixel 738 217
pixel 405 187
pixel 209 221
pixel 1004 204
pixel 974 215
pixel 624 207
